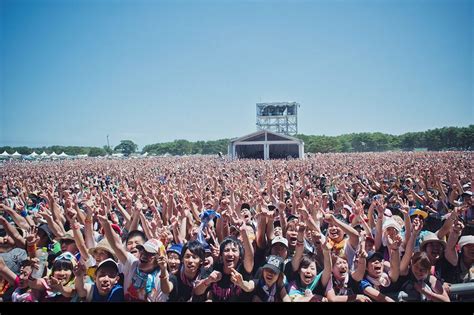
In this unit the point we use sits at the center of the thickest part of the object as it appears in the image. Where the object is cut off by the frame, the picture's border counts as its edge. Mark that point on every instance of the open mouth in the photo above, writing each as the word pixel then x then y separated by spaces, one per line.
pixel 105 286
pixel 307 279
pixel 269 277
pixel 378 269
pixel 229 261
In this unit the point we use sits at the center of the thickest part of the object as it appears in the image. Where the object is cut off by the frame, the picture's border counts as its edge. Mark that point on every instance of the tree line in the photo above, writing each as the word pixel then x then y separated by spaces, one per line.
pixel 447 138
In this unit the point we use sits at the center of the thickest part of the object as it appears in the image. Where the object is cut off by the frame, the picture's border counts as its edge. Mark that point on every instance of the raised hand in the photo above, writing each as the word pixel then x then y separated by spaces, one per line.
pixel 236 277
pixel 458 226
pixel 394 242
pixel 55 284
pixel 215 251
pixel 215 276
pixel 32 236
pixel 71 215
pixel 79 270
pixel 162 262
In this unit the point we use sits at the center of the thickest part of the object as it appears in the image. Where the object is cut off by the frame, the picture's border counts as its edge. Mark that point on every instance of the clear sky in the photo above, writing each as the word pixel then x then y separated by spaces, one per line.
pixel 73 71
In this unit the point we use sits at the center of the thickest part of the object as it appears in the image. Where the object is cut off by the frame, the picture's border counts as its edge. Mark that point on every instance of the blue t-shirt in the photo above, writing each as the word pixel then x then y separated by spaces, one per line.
pixel 115 295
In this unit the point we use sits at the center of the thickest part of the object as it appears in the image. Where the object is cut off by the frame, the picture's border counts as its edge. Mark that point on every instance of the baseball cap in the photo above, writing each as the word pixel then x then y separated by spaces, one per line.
pixel 280 240
pixel 152 246
pixel 416 211
pixel 292 217
pixel 175 248
pixel 274 263
pixel 108 263
pixel 374 254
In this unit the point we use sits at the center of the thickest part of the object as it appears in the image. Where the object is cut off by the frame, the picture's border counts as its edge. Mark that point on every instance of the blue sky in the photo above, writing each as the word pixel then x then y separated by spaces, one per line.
pixel 72 72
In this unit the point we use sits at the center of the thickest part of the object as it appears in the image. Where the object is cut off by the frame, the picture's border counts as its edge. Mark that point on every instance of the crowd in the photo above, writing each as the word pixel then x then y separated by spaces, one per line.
pixel 356 227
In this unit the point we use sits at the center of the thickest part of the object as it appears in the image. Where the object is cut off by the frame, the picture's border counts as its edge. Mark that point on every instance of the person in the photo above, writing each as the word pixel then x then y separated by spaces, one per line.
pixel 105 287
pixel 22 291
pixel 234 263
pixel 141 275
pixel 464 259
pixel 436 253
pixel 344 283
pixel 269 287
pixel 418 284
pixel 417 217
pixel 133 239
pixel 336 235
pixel 96 255
pixel 209 259
pixel 304 283
pixel 180 286
pixel 174 258
pixel 59 285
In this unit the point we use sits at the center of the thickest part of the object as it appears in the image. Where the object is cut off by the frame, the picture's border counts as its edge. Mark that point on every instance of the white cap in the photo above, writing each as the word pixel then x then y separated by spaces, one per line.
pixel 389 222
pixel 466 240
pixel 281 240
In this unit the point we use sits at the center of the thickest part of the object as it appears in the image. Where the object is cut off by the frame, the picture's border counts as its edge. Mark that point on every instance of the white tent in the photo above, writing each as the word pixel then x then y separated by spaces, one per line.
pixel 4 154
pixel 145 154
pixel 53 154
pixel 44 154
pixel 16 154
pixel 63 155
pixel 33 154
pixel 81 155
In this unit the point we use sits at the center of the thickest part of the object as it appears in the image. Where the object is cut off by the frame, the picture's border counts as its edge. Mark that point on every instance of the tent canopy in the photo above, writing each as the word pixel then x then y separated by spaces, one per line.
pixel 265 144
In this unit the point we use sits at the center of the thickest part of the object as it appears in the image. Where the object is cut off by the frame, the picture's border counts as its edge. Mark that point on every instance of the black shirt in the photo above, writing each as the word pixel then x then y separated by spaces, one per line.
pixel 183 288
pixel 264 293
pixel 226 291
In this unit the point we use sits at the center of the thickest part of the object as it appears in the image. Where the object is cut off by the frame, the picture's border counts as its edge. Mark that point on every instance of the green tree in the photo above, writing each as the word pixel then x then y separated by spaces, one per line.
pixel 97 152
pixel 108 149
pixel 126 147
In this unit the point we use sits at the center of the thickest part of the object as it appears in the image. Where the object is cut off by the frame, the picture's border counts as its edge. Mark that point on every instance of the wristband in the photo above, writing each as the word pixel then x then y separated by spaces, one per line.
pixel 31 248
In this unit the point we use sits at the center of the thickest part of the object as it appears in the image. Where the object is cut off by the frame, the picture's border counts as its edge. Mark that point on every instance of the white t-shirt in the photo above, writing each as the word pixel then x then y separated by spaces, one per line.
pixel 350 253
pixel 135 282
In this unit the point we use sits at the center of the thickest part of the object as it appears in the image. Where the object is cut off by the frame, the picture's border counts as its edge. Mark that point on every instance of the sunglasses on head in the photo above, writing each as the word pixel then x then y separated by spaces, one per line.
pixel 66 256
